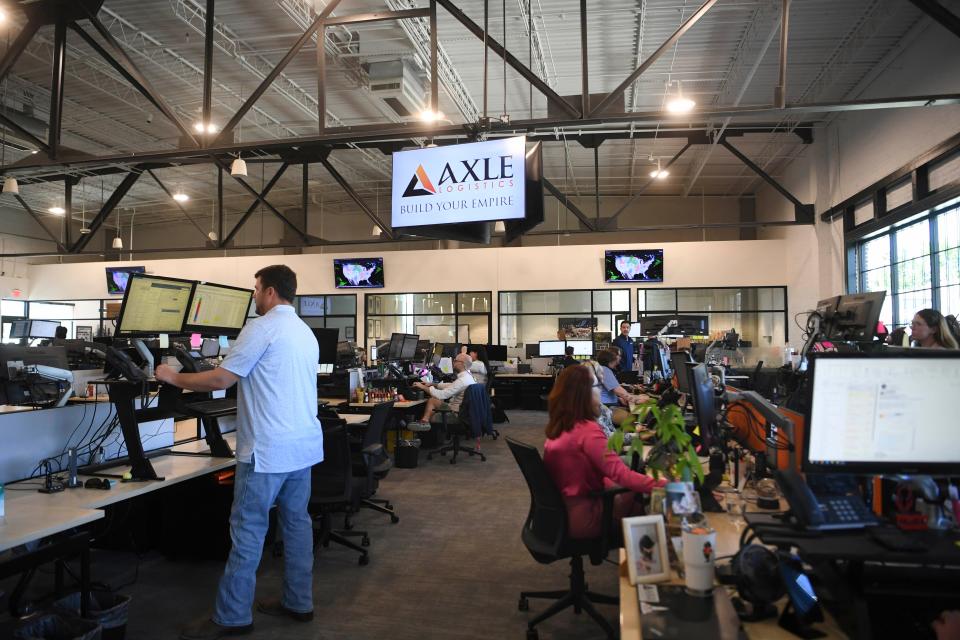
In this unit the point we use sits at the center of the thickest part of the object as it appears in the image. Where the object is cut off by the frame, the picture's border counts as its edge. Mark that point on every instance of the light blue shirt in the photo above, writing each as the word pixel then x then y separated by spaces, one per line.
pixel 608 382
pixel 276 358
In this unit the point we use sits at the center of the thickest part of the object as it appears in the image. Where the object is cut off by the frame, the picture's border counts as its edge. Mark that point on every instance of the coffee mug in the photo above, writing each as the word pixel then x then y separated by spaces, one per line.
pixel 699 553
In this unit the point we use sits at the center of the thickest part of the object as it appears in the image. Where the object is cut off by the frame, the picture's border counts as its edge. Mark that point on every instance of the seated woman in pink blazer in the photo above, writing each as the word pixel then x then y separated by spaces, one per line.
pixel 577 458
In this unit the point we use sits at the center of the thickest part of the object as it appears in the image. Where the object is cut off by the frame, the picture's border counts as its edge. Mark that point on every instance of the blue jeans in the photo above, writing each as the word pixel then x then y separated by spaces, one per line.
pixel 253 495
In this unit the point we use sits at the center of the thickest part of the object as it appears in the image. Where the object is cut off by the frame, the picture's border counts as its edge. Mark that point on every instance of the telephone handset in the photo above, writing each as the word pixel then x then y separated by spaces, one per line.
pixel 120 362
pixel 831 512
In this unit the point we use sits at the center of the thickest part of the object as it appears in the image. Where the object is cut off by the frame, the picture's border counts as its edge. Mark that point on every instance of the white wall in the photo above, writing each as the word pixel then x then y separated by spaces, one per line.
pixel 687 264
pixel 853 151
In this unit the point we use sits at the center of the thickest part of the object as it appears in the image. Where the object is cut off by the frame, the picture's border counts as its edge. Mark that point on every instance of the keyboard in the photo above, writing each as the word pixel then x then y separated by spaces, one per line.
pixel 845 512
pixel 222 406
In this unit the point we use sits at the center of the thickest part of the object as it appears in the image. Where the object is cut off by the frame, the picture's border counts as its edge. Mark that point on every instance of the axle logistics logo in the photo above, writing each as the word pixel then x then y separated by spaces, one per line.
pixel 501 176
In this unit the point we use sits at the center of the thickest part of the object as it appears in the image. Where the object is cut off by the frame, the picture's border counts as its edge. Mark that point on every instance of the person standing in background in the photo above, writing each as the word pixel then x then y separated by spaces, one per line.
pixel 625 344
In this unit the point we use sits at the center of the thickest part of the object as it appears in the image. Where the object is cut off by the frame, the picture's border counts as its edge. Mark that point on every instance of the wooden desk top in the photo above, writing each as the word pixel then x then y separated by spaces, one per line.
pixel 354 418
pixel 728 542
pixel 14 408
pixel 26 521
pixel 406 404
pixel 332 402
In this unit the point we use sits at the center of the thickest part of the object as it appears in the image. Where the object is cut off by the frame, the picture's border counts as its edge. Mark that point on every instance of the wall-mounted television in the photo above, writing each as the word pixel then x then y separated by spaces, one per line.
pixel 358 273
pixel 633 265
pixel 117 278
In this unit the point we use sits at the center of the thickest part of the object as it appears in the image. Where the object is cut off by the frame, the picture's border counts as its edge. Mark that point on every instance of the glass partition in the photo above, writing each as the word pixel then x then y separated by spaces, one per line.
pixel 337 311
pixel 527 317
pixel 460 317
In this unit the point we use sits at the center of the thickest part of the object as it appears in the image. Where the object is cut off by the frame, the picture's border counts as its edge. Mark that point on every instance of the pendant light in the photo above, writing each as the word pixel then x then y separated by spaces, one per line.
pixel 117 240
pixel 10 184
pixel 659 173
pixel 376 231
pixel 679 103
pixel 238 167
pixel 499 227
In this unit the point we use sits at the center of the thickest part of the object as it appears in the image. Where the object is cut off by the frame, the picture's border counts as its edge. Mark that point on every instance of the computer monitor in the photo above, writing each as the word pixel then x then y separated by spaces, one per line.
pixel 552 348
pixel 153 305
pixel 856 316
pixel 19 328
pixel 680 361
pixel 497 352
pixel 424 350
pixel 327 342
pixel 880 412
pixel 704 405
pixel 448 350
pixel 396 347
pixel 42 329
pixel 217 309
pixel 532 350
pixel 581 347
pixel 409 348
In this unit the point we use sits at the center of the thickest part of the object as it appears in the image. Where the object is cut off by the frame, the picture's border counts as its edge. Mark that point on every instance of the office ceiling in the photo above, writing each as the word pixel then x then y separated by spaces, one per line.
pixel 730 57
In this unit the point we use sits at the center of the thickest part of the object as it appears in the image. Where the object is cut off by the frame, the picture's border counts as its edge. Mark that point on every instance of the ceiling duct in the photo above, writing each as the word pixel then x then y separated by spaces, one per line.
pixel 399 85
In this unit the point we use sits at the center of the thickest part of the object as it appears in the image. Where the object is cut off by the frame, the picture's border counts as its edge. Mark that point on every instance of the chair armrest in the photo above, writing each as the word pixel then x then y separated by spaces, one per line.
pixel 607 537
pixel 373 448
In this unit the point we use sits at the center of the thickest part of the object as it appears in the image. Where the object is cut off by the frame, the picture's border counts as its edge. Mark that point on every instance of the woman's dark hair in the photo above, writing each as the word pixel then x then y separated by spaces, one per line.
pixel 605 357
pixel 481 352
pixel 942 332
pixel 570 401
pixel 895 339
pixel 281 278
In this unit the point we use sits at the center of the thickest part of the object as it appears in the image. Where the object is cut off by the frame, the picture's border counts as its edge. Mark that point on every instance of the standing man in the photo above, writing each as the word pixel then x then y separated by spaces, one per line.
pixel 279 439
pixel 625 343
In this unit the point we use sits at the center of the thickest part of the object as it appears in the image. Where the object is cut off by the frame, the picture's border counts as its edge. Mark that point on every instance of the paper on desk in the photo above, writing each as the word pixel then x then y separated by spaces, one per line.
pixel 648 593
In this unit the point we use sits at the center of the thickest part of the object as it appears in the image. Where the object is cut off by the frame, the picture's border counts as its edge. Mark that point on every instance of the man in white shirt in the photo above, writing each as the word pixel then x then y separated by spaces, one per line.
pixel 449 392
pixel 279 438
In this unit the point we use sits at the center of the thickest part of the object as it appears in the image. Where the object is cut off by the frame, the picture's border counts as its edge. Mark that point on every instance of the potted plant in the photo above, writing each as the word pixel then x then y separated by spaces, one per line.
pixel 673 456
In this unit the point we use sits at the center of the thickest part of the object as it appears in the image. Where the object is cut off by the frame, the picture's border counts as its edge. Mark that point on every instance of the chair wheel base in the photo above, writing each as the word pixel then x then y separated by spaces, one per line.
pixel 523 605
pixel 532 634
pixel 364 560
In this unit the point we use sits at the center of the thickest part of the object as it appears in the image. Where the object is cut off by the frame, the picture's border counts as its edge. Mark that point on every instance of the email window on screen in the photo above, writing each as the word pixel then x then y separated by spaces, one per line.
pixel 904 412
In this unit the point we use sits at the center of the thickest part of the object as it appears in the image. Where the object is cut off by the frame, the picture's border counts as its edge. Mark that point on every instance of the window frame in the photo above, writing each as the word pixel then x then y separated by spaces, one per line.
pixel 592 313
pixel 308 319
pixel 367 315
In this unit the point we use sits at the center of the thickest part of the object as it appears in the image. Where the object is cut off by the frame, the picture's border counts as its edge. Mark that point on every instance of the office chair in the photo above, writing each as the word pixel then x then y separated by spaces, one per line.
pixel 473 419
pixel 493 402
pixel 335 490
pixel 545 536
pixel 371 462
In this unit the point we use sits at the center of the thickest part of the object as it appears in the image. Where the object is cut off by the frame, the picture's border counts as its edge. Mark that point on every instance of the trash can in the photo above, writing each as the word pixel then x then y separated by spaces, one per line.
pixel 55 626
pixel 408 455
pixel 109 610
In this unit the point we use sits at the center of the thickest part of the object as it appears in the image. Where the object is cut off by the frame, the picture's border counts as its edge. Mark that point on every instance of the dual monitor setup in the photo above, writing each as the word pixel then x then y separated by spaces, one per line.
pixel 34 329
pixel 557 348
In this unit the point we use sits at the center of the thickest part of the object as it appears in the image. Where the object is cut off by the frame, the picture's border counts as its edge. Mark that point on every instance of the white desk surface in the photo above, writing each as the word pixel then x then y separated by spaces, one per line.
pixel 26 521
pixel 173 468
pixel 728 542
pixel 501 376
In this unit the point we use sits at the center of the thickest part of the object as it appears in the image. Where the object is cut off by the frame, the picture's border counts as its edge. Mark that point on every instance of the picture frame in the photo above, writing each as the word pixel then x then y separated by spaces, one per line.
pixel 348 333
pixel 83 332
pixel 645 541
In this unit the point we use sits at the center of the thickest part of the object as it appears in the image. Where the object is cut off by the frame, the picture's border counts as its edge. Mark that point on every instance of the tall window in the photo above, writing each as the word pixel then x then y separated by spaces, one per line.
pixel 757 314
pixel 527 317
pixel 70 314
pixel 461 317
pixel 10 311
pixel 916 261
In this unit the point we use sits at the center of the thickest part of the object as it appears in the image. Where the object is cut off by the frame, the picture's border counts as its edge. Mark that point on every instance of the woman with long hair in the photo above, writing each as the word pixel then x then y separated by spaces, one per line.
pixel 930 329
pixel 577 457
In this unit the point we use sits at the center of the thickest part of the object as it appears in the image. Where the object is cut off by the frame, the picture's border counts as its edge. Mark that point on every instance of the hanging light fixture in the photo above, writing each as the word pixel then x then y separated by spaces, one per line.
pixel 499 227
pixel 201 127
pixel 659 173
pixel 679 103
pixel 430 116
pixel 238 167
pixel 117 240
pixel 57 210
pixel 10 185
pixel 376 231
pixel 179 195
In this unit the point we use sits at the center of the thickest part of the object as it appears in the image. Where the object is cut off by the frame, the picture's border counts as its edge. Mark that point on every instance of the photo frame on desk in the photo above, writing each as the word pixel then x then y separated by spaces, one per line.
pixel 83 332
pixel 645 542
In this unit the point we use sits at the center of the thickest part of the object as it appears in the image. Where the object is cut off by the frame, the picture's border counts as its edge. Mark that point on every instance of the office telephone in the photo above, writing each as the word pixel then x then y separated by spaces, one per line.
pixel 121 363
pixel 827 513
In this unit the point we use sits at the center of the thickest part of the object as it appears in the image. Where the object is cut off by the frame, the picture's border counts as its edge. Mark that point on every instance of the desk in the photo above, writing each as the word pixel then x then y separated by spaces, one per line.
pixel 332 402
pixel 354 418
pixel 14 408
pixel 26 521
pixel 522 390
pixel 728 542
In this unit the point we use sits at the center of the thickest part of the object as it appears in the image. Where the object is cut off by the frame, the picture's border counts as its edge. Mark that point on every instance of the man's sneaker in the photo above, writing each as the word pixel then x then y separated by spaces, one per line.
pixel 207 629
pixel 418 426
pixel 274 607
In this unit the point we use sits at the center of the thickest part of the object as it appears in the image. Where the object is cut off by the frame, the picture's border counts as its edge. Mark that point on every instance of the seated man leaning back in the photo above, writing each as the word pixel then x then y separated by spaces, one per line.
pixel 449 392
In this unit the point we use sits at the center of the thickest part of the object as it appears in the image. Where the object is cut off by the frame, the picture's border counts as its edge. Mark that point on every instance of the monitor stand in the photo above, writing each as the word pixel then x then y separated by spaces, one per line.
pixel 123 394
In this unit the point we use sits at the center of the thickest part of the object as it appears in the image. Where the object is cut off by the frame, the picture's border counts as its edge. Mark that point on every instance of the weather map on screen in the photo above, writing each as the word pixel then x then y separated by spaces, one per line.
pixel 117 278
pixel 358 273
pixel 641 265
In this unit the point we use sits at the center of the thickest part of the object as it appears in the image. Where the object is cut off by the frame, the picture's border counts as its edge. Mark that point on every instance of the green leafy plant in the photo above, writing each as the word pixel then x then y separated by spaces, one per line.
pixel 673 456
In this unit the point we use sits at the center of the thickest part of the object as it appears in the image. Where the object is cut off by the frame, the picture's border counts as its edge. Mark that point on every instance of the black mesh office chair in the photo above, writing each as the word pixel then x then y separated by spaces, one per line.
pixel 546 538
pixel 472 420
pixel 334 490
pixel 371 461
pixel 493 402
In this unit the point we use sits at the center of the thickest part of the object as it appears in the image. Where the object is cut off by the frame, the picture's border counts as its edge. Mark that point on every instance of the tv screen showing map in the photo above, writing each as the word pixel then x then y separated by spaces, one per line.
pixel 633 265
pixel 358 273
